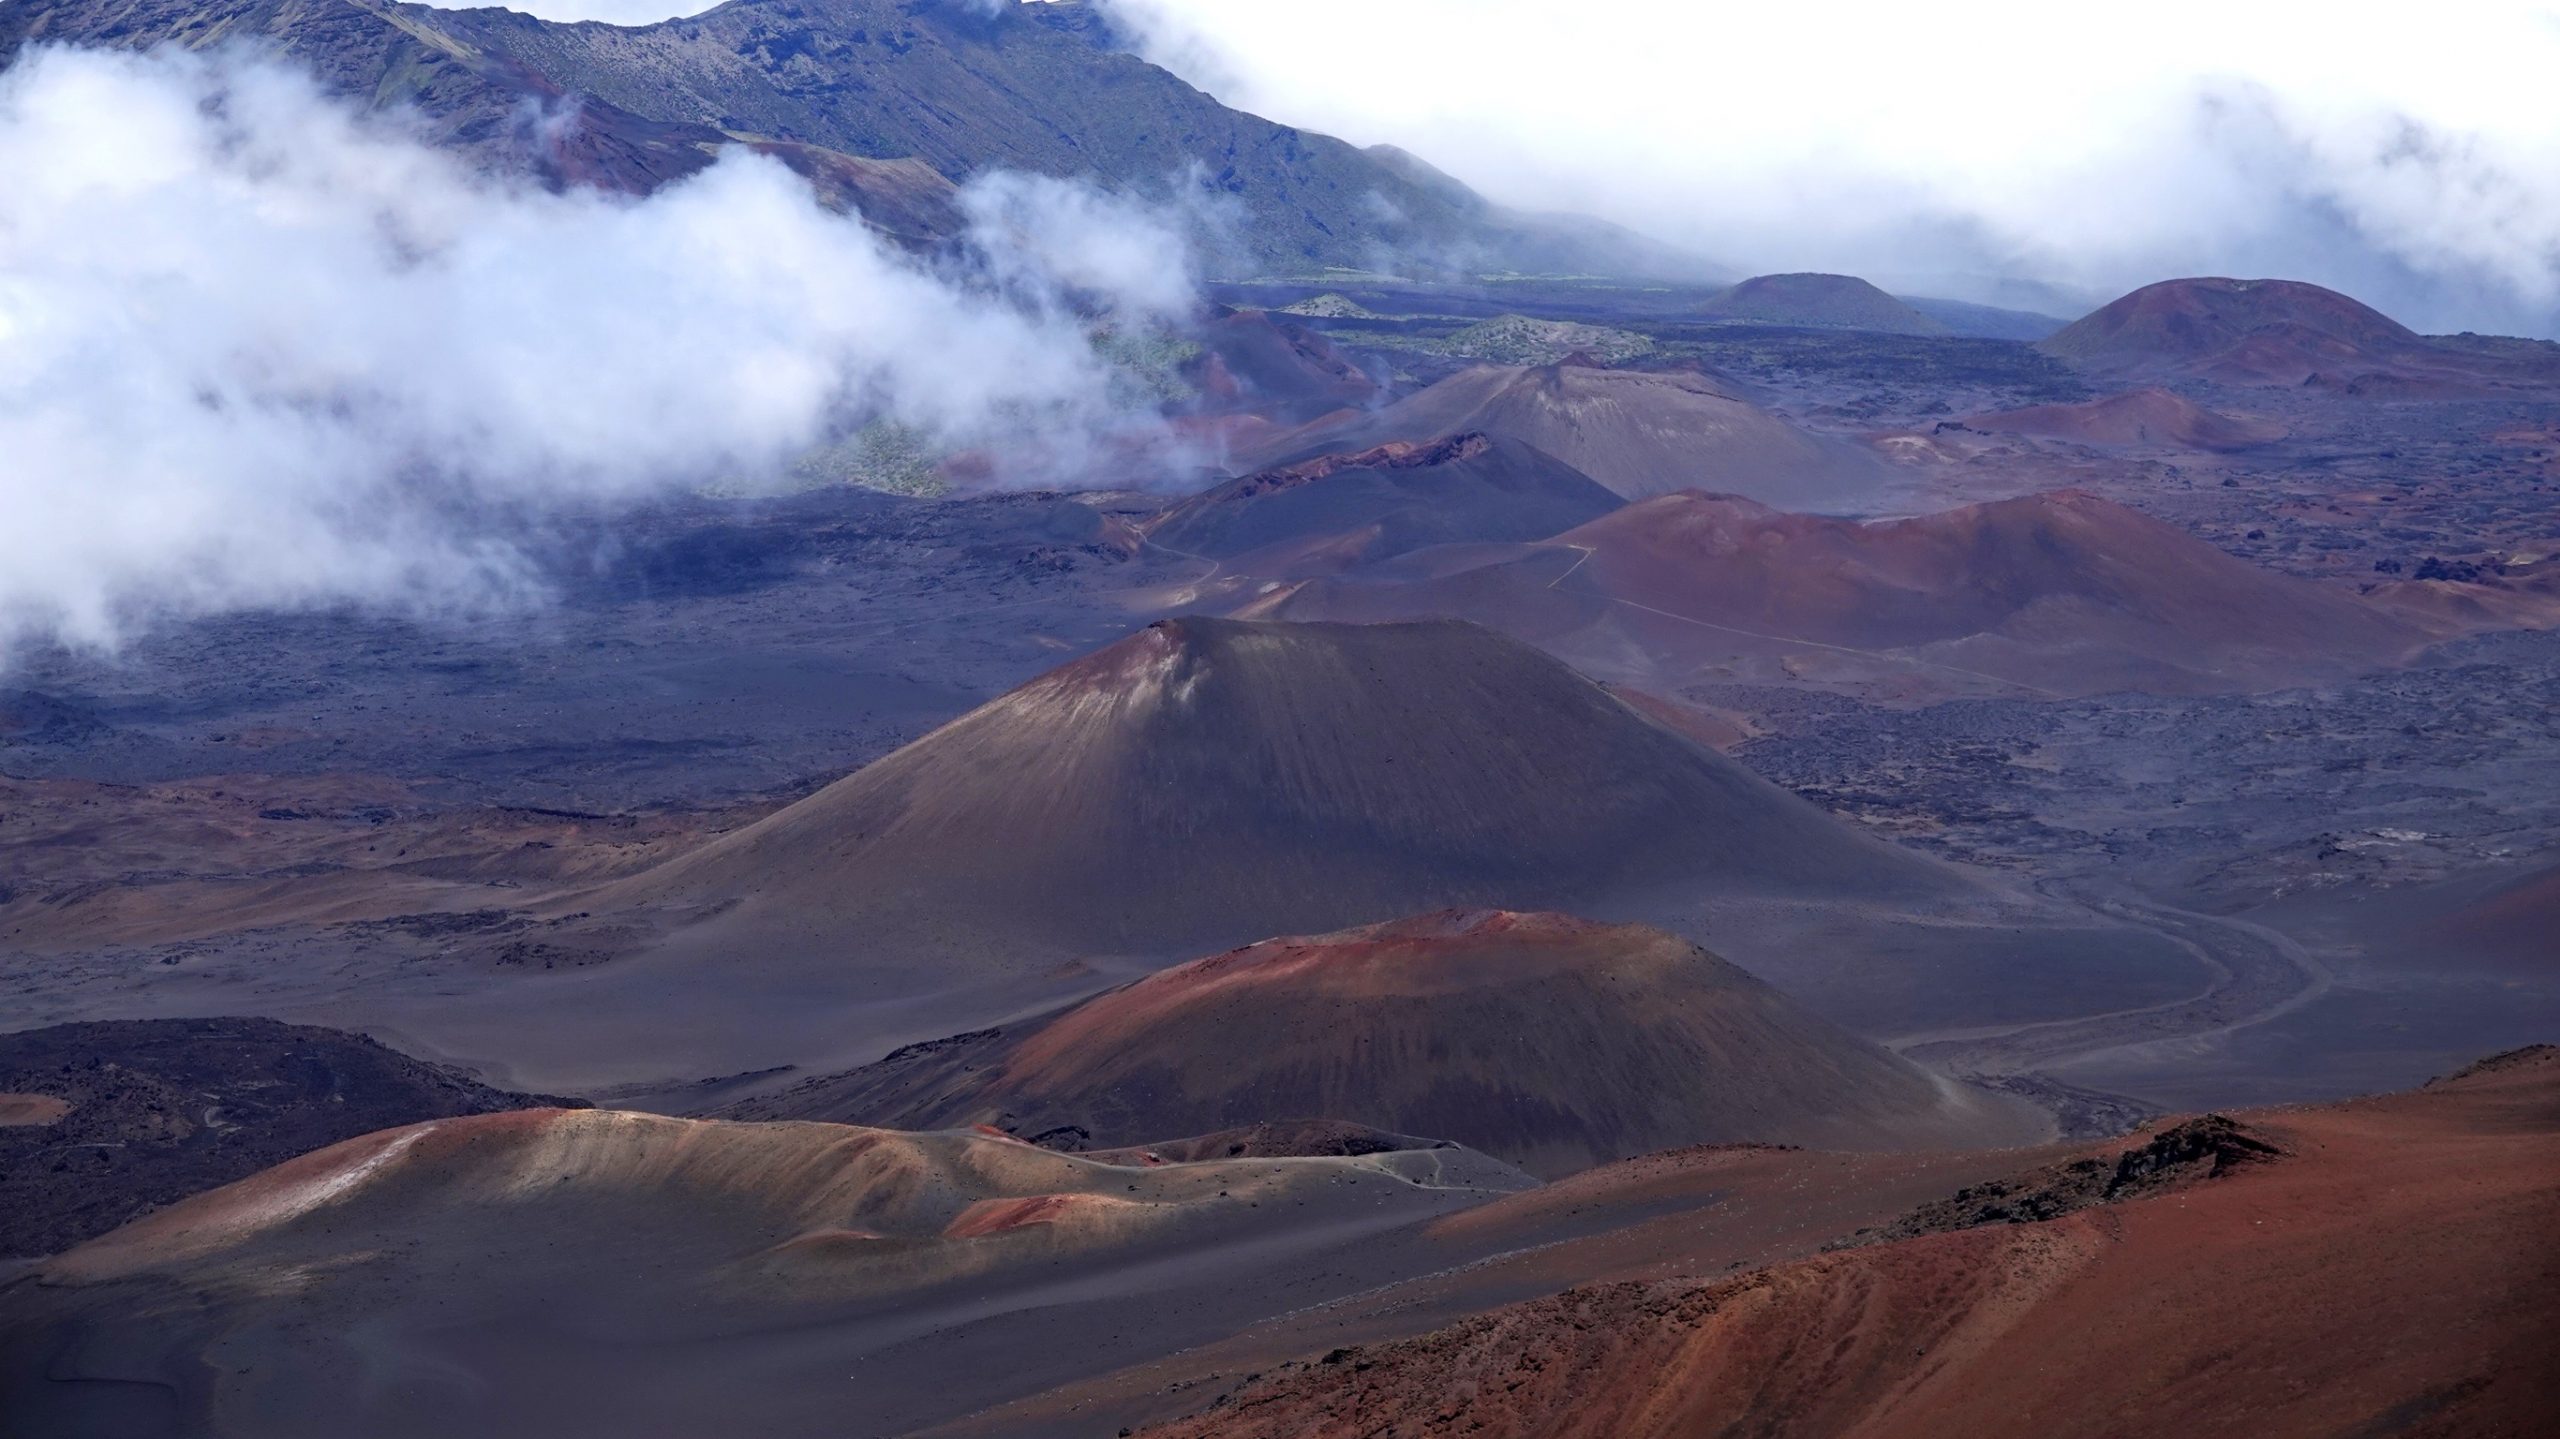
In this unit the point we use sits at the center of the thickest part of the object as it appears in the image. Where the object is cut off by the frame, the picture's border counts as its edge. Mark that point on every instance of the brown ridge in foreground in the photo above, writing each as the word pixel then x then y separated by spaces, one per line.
pixel 2392 1273
pixel 1638 433
pixel 1206 782
pixel 1551 1042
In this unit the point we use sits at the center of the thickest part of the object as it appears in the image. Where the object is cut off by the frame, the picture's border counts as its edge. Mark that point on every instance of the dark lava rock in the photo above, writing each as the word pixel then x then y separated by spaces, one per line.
pixel 2201 1148
pixel 160 1109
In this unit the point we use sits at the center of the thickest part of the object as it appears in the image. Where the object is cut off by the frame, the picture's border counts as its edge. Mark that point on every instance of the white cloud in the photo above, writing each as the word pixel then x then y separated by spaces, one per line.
pixel 1984 148
pixel 2405 153
pixel 257 350
pixel 1042 233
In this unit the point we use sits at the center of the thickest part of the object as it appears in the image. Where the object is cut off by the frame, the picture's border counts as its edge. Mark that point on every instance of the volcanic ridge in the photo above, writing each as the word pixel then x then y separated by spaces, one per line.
pixel 1637 432
pixel 2062 592
pixel 1207 782
pixel 1551 1042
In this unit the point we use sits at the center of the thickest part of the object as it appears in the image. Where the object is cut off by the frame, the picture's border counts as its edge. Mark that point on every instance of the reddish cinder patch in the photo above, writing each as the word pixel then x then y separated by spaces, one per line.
pixel 2519 922
pixel 1393 455
pixel 1718 730
pixel 2064 591
pixel 823 1242
pixel 1546 1040
pixel 2288 334
pixel 1000 1216
pixel 22 1109
pixel 1444 945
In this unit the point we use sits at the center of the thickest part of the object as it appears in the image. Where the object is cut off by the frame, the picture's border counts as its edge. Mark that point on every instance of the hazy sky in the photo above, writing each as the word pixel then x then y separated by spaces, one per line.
pixel 2408 153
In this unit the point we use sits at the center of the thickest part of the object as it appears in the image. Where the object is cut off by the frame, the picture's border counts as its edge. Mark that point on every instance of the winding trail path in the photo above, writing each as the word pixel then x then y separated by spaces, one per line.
pixel 2259 975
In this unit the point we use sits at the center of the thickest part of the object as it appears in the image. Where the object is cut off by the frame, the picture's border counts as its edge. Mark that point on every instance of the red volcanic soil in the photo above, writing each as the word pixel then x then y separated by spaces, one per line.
pixel 1206 782
pixel 2284 332
pixel 2272 331
pixel 1551 1042
pixel 2393 1272
pixel 1327 513
pixel 2150 418
pixel 2518 923
pixel 1820 301
pixel 2063 592
pixel 1253 361
pixel 1637 432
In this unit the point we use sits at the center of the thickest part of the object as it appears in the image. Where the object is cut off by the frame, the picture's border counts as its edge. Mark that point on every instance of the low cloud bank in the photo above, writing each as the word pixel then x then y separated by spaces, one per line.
pixel 1986 149
pixel 2007 151
pixel 257 350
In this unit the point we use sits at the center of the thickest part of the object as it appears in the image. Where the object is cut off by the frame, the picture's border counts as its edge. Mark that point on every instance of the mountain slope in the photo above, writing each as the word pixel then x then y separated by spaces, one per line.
pixel 1551 1042
pixel 1208 782
pixel 2258 329
pixel 2387 1272
pixel 481 102
pixel 958 87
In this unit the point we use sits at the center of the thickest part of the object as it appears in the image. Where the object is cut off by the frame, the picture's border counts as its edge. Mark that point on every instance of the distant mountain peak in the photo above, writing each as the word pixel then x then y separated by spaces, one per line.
pixel 952 87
